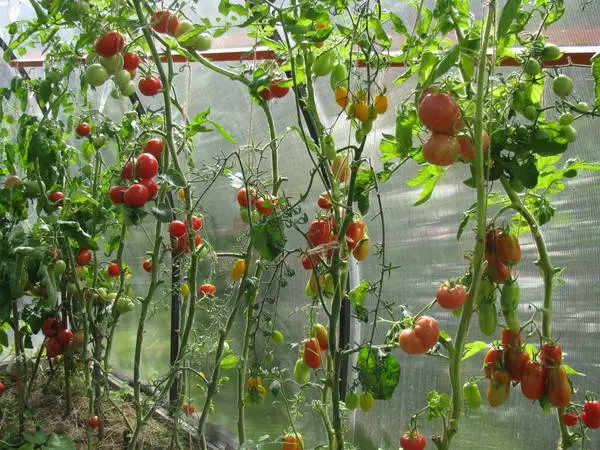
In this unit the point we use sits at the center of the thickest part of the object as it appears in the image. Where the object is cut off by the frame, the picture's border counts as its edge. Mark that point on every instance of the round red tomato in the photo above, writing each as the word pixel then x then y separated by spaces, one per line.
pixel 146 166
pixel 441 150
pixel 266 93
pixel 94 422
pixel 207 289
pixel 127 170
pixel 551 354
pixel 421 338
pixel 324 201
pixel 177 228
pixel 84 257
pixel 450 295
pixel 53 347
pixel 533 380
pixel 591 414
pixel 277 89
pixel 570 419
pixel 293 441
pixel 590 421
pixel 439 112
pixel 150 86
pixel 116 193
pixel 51 326
pixel 242 197
pixel 131 61
pixel 265 205
pixel 154 146
pixel 164 22
pixel 318 231
pixel 110 44
pixel 189 408
pixel 65 336
pixel 197 223
pixel 147 265
pixel 151 186
pixel 312 353
pixel 135 196
pixel 83 129
pixel 308 262
pixel 113 270
pixel 412 440
pixel 56 197
pixel 497 272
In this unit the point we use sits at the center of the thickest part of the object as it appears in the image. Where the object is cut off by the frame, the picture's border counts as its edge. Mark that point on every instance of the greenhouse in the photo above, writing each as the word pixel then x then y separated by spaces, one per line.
pixel 299 224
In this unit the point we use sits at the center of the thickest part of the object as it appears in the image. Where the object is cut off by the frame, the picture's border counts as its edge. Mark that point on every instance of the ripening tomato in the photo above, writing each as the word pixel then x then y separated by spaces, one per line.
pixel 467 148
pixel 497 272
pixel 150 86
pixel 551 354
pixel 441 150
pixel 439 112
pixel 312 353
pixel 83 129
pixel 511 340
pixel 308 262
pixel 242 197
pixel 56 197
pixel 320 332
pixel 341 96
pixel 318 231
pixel 499 388
pixel 84 257
pixel 177 228
pixel 451 295
pixel 508 250
pixel 94 422
pixel 238 269
pixel 116 193
pixel 151 186
pixel 324 201
pixel 110 44
pixel 164 22
pixel 361 251
pixel 154 146
pixel 276 87
pixel 147 265
pixel 146 166
pixel 189 409
pixel 421 338
pixel 113 270
pixel 356 230
pixel 12 181
pixel 380 103
pixel 491 361
pixel 293 441
pixel 413 440
pixel 207 289
pixel 340 168
pixel 514 362
pixel 558 387
pixel 131 61
pixel 533 380
pixel 135 196
pixel 2 388
pixel 361 111
pixel 570 419
pixel 265 204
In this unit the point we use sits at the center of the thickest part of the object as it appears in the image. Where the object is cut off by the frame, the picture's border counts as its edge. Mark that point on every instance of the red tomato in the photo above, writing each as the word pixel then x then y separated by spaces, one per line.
pixel 53 347
pixel 84 257
pixel 467 149
pixel 65 336
pixel 421 338
pixel 590 421
pixel 450 295
pixel 127 170
pixel 116 193
pixel 113 270
pixel 412 440
pixel 551 354
pixel 356 230
pixel 94 422
pixel 508 250
pixel 150 86
pixel 110 44
pixel 293 441
pixel 197 240
pixel 242 197
pixel 312 353
pixel 491 237
pixel 131 61
pixel 83 129
pixel 591 414
pixel 514 362
pixel 266 93
pixel 265 205
pixel 154 146
pixel 197 223
pixel 324 201
pixel 558 387
pixel 318 231
pixel 497 271
pixel 189 408
pixel 276 89
pixel 491 360
pixel 207 289
pixel 499 388
pixel 177 228
pixel 439 112
pixel 51 326
pixel 441 150
pixel 146 166
pixel 569 419
pixel 151 186
pixel 320 332
pixel 147 265
pixel 135 196
pixel 56 197
pixel 510 339
pixel 308 262
pixel 2 388
pixel 164 22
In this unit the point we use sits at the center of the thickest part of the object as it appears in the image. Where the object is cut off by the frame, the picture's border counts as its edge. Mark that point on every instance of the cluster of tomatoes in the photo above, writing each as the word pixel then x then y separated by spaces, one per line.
pixel 260 204
pixel 256 392
pixel 144 168
pixel 502 250
pixel 421 337
pixel 542 378
pixel 440 114
pixel 58 338
pixel 590 415
pixel 167 22
pixel 178 230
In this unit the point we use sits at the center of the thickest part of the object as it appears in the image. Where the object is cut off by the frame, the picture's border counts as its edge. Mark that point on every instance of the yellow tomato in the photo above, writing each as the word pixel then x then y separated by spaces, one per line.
pixel 185 289
pixel 361 111
pixel 381 103
pixel 181 194
pixel 238 269
pixel 341 96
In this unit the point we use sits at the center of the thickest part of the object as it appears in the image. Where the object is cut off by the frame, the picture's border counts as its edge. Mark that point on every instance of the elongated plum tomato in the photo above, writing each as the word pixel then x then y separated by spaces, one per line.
pixel 131 61
pixel 56 196
pixel 424 335
pixel 380 103
pixel 318 231
pixel 207 289
pixel 413 440
pixel 84 257
pixel 154 146
pixel 147 265
pixel 515 362
pixel 135 196
pixel 113 270
pixel 150 86
pixel 508 250
pixel 499 388
pixel 361 251
pixel 164 22
pixel 312 353
pixel 558 388
pixel 292 441
pixel 151 186
pixel 439 112
pixel 341 96
pixel 146 166
pixel 450 295
pixel 177 228
pixel 467 148
pixel 551 354
pixel 116 193
pixel 110 44
pixel 320 332
pixel 324 201
pixel 441 150
pixel 356 230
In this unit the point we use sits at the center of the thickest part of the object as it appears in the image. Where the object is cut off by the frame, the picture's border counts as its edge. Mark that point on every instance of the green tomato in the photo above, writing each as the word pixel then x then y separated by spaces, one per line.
pixel 124 305
pixel 509 300
pixel 532 67
pixel 488 318
pixel 566 118
pixel 583 107
pixel 339 76
pixel 569 133
pixel 116 93
pixel 562 86
pixel 99 141
pixel 551 52
pixel 102 292
pixel 112 64
pixel 122 78
pixel 202 42
pixel 254 215
pixel 277 337
pixel 542 135
pixel 71 288
pixel 33 189
pixel 531 112
pixel 367 401
pixel 351 400
pixel 323 64
pixel 472 395
pixel 60 267
pixel 183 27
pixel 128 90
pixel 96 75
pixel 203 252
pixel 301 372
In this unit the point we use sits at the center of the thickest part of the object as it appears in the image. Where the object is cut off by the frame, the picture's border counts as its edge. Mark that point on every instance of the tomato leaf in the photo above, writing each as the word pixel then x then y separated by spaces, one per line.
pixel 74 231
pixel 427 177
pixel 229 362
pixel 268 238
pixel 571 371
pixel 472 348
pixel 406 125
pixel 449 60
pixel 507 16
pixel 378 372
pixel 437 404
pixel 222 131
pixel 428 63
pixel 357 298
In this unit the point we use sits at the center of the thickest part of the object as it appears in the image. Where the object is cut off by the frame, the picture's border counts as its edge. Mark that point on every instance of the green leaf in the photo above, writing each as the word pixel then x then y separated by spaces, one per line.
pixel 378 372
pixel 268 238
pixel 229 362
pixel 557 10
pixel 427 177
pixel 572 371
pixel 174 178
pixel 449 60
pixel 406 124
pixel 222 131
pixel 74 231
pixel 527 174
pixel 3 338
pixel 437 404
pixel 162 213
pixel 472 348
pixel 596 75
pixel 428 62
pixel 399 26
pixel 507 16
